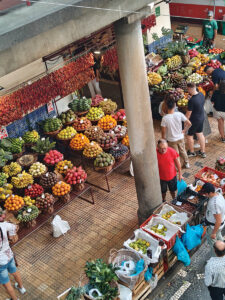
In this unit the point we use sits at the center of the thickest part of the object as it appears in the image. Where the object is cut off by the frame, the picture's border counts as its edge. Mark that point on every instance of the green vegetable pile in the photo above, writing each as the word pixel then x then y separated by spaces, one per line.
pixel 3 178
pixel 104 160
pixel 31 137
pixel 67 117
pixel 101 276
pixel 28 213
pixel 75 293
pixel 13 145
pixel 162 70
pixel 5 156
pixel 82 104
pixel 52 124
pixel 43 146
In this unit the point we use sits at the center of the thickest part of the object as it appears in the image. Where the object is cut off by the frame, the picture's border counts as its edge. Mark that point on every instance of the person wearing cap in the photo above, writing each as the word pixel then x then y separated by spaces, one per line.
pixel 209 30
pixel 215 272
pixel 215 214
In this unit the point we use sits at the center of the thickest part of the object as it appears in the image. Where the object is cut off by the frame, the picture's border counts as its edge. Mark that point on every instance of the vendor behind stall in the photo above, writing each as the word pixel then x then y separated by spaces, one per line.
pixel 215 214
pixel 209 30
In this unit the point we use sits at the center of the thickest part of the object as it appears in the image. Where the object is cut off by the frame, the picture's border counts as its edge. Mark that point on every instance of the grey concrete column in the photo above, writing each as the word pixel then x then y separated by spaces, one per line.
pixel 139 116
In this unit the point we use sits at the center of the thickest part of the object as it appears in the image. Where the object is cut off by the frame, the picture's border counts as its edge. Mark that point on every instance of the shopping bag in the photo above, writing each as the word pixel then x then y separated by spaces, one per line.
pixel 59 226
pixel 181 252
pixel 192 237
pixel 208 105
pixel 181 186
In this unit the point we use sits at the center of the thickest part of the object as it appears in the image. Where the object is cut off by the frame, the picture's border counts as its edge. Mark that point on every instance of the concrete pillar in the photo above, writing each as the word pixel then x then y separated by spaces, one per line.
pixel 139 116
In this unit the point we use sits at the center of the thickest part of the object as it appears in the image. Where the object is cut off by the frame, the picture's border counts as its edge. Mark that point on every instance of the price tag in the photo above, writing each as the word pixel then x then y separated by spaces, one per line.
pixel 178 203
pixel 43 139
pixel 65 167
pixel 160 226
pixel 124 117
pixel 13 195
pixel 54 117
pixel 42 196
pixel 84 97
pixel 105 99
pixel 92 143
pixel 81 121
pixel 95 129
pixel 47 174
pixel 29 187
pixel 82 137
pixel 20 175
pixel 7 196
pixel 71 119
pixel 112 132
pixel 60 182
pixel 20 138
pixel 117 148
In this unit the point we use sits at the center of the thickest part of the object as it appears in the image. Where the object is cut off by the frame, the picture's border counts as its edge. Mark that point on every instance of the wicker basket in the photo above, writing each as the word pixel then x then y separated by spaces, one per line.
pixel 81 113
pixel 69 123
pixel 117 257
pixel 18 155
pixel 30 224
pixel 19 160
pixel 66 198
pixel 104 169
pixel 123 157
pixel 28 146
pixel 79 187
pixel 53 133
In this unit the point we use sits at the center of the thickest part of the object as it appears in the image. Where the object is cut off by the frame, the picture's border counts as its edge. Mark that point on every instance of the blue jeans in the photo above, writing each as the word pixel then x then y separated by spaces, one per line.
pixel 10 267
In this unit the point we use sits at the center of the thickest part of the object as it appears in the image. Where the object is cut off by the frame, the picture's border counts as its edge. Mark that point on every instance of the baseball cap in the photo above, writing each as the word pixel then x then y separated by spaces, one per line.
pixel 208 188
pixel 210 13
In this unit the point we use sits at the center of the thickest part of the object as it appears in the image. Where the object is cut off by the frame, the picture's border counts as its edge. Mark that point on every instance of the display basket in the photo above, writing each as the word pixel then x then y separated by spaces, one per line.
pixel 15 212
pixel 123 157
pixel 65 142
pixel 53 133
pixel 166 207
pixel 29 146
pixel 116 257
pixel 65 198
pixel 221 175
pixel 81 113
pixel 30 224
pixel 28 164
pixel 172 230
pixel 69 123
pixel 104 169
pixel 18 155
pixel 154 246
pixel 78 187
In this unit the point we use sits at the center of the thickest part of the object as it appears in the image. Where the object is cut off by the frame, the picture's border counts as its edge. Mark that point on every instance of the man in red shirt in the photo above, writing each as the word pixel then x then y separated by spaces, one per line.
pixel 168 162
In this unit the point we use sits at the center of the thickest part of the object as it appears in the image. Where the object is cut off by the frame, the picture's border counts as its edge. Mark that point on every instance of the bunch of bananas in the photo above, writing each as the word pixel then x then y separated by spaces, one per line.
pixel 154 78
pixel 6 191
pixel 174 62
pixel 12 169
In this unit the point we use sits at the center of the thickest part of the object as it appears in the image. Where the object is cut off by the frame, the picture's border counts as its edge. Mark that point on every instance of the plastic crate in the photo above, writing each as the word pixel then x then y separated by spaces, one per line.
pixel 176 208
pixel 221 175
pixel 169 242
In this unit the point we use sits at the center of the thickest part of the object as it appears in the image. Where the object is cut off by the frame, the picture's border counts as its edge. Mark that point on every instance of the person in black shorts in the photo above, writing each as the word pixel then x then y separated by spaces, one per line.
pixel 196 115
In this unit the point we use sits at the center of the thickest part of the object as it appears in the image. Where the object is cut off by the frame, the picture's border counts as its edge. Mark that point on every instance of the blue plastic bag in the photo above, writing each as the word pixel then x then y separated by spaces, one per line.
pixel 181 252
pixel 140 265
pixel 192 237
pixel 148 274
pixel 181 186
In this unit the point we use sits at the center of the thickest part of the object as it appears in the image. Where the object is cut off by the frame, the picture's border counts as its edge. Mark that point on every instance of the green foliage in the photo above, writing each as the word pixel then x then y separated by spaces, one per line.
pixel 75 293
pixel 101 276
pixel 155 36
pixel 166 31
pixel 5 156
pixel 43 146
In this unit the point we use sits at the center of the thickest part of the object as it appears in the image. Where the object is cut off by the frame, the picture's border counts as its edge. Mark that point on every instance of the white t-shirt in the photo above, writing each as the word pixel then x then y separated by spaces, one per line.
pixel 6 253
pixel 173 124
pixel 216 205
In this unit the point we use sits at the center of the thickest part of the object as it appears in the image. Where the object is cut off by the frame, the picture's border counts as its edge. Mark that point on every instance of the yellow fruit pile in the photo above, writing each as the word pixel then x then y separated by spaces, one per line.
pixel 92 150
pixel 6 191
pixel 63 166
pixel 95 113
pixel 125 141
pixel 12 169
pixel 68 133
pixel 174 62
pixel 28 201
pixel 79 141
pixel 107 122
pixel 154 78
pixel 203 58
pixel 22 180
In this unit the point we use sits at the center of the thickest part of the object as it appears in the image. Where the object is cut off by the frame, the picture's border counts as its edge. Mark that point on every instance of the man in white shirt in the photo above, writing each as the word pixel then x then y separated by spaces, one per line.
pixel 7 262
pixel 215 272
pixel 171 129
pixel 215 214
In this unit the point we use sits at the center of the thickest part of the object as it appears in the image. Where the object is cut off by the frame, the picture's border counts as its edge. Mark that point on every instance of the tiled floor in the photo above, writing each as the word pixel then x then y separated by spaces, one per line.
pixel 49 266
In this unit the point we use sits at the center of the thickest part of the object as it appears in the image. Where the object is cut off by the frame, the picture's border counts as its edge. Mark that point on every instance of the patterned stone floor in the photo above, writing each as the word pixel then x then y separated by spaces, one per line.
pixel 49 266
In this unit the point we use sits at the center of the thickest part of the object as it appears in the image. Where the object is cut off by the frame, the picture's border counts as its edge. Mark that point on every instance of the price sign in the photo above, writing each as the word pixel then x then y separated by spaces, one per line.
pixel 3 132
pixel 50 107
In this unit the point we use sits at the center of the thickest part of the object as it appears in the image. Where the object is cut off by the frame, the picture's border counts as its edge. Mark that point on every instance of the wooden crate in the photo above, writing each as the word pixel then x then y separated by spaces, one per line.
pixel 143 293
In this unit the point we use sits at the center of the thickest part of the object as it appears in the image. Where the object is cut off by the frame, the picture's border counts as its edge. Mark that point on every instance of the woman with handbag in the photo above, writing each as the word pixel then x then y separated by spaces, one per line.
pixel 7 262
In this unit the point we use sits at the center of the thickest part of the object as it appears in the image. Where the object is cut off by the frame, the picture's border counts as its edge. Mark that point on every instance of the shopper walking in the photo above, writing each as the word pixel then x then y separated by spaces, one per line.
pixel 218 99
pixel 196 115
pixel 7 262
pixel 209 30
pixel 217 75
pixel 171 129
pixel 215 214
pixel 168 162
pixel 215 272
pixel 94 84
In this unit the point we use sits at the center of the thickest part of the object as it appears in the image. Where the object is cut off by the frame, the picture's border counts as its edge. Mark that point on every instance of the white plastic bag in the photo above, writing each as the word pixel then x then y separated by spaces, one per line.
pixel 208 105
pixel 131 169
pixel 125 293
pixel 59 226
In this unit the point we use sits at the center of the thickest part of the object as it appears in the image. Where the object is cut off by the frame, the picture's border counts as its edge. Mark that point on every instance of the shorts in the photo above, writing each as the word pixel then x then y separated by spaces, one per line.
pixel 218 114
pixel 172 185
pixel 195 128
pixel 10 267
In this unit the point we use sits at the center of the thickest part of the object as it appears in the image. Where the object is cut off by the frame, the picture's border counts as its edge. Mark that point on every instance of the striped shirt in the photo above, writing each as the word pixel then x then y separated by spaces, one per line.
pixel 215 272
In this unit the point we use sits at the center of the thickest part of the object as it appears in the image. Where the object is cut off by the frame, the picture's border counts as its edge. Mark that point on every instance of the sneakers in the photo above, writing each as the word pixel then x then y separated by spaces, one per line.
pixel 187 166
pixel 21 290
pixel 223 140
pixel 202 154
pixel 191 154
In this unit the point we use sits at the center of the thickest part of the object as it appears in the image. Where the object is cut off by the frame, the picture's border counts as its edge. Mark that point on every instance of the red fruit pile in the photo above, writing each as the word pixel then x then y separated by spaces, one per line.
pixel 53 157
pixel 193 52
pixel 120 115
pixel 96 100
pixel 215 64
pixel 75 175
pixel 34 190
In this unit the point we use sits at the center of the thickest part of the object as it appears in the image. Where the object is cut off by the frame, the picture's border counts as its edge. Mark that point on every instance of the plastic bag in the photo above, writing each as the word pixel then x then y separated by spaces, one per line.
pixel 131 169
pixel 148 274
pixel 181 186
pixel 94 294
pixel 140 265
pixel 125 293
pixel 192 237
pixel 208 105
pixel 59 226
pixel 181 252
